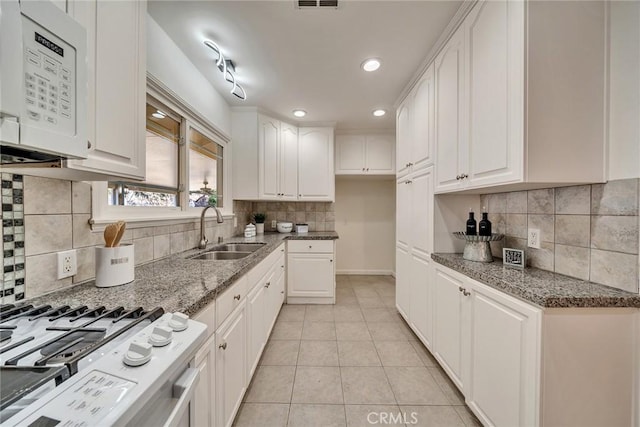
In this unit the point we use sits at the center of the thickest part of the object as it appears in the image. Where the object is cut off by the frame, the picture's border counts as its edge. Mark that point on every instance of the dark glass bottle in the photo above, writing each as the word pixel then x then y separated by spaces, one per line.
pixel 484 227
pixel 471 225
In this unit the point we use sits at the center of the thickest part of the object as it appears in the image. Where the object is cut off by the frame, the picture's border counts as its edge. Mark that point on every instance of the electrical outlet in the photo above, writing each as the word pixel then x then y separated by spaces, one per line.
pixel 274 223
pixel 533 240
pixel 67 264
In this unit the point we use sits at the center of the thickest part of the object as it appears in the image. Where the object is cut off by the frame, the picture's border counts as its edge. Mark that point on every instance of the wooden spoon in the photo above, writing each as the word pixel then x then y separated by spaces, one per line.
pixel 110 233
pixel 121 227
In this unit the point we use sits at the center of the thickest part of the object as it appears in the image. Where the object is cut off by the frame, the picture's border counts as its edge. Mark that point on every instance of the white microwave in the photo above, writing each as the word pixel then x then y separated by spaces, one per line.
pixel 43 82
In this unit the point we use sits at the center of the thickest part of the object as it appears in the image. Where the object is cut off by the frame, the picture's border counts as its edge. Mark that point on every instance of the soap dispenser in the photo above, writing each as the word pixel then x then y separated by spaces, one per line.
pixel 484 227
pixel 471 225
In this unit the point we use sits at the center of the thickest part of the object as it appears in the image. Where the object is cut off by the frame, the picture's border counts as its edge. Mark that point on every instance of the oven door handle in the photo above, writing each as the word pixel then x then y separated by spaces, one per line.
pixel 184 387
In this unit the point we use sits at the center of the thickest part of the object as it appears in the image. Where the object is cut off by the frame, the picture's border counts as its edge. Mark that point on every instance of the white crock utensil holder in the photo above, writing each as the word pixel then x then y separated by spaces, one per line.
pixel 114 266
pixel 477 248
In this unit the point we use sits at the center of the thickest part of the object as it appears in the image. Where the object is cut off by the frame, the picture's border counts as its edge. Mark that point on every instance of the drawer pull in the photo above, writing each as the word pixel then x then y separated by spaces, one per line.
pixel 460 288
pixel 310 246
pixel 282 292
pixel 465 293
pixel 237 297
pixel 267 285
pixel 330 260
pixel 223 346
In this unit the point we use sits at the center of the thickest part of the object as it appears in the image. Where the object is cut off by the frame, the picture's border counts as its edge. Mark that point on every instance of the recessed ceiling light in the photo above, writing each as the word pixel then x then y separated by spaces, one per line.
pixel 371 64
pixel 159 114
pixel 379 113
pixel 299 113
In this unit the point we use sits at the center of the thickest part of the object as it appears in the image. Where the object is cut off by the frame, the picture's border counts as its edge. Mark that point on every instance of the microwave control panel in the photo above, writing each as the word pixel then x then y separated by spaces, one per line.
pixel 49 80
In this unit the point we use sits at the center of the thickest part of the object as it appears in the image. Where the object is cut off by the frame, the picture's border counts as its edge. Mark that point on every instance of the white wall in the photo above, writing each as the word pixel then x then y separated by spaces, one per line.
pixel 365 220
pixel 624 90
pixel 167 63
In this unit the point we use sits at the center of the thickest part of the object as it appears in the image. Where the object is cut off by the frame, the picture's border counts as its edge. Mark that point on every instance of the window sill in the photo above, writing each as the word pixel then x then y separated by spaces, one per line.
pixel 99 224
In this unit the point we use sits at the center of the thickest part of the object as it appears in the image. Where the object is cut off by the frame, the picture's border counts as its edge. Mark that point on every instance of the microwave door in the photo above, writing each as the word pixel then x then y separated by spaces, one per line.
pixel 11 88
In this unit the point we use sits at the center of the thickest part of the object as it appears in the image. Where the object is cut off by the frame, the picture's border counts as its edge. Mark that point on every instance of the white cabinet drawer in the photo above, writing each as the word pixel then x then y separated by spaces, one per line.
pixel 310 246
pixel 230 299
pixel 258 272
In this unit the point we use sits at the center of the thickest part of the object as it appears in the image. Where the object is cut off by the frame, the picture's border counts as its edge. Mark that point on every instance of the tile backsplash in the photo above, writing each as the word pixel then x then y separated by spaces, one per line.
pixel 55 217
pixel 319 215
pixel 12 238
pixel 587 231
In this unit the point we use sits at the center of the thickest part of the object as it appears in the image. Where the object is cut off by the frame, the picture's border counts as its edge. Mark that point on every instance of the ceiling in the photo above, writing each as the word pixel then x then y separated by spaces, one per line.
pixel 288 58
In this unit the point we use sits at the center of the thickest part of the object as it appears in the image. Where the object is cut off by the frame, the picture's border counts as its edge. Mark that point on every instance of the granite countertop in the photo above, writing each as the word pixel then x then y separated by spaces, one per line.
pixel 543 288
pixel 176 283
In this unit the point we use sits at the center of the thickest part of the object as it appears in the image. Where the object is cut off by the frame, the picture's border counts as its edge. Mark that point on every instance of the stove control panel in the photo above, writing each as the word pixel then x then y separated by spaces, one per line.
pixel 111 392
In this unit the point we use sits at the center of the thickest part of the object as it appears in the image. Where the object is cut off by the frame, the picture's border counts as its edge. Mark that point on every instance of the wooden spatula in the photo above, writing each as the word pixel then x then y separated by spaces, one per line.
pixel 110 234
pixel 121 228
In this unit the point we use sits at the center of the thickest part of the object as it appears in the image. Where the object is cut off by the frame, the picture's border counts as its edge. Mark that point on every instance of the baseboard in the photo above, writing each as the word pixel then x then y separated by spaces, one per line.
pixel 367 272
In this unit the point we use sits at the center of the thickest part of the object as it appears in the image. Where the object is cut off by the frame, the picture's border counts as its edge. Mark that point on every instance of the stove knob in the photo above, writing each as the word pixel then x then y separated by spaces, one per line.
pixel 138 354
pixel 160 336
pixel 178 322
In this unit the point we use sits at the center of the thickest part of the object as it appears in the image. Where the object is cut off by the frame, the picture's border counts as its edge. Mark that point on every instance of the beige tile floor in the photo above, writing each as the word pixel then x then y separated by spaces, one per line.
pixel 349 364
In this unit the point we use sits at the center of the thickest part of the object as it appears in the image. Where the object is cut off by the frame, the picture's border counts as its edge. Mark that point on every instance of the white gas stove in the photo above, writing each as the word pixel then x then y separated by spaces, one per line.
pixel 68 366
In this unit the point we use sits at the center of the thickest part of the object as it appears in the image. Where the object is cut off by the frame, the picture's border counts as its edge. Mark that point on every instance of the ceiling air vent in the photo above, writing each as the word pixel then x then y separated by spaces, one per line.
pixel 305 4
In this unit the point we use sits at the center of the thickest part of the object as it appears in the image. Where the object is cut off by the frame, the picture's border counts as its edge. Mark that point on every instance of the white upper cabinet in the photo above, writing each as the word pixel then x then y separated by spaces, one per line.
pixel 449 113
pixel 268 149
pixel 491 80
pixel 403 137
pixel 274 160
pixel 316 177
pixel 116 88
pixel 422 146
pixel 494 59
pixel 365 154
pixel 415 126
pixel 288 161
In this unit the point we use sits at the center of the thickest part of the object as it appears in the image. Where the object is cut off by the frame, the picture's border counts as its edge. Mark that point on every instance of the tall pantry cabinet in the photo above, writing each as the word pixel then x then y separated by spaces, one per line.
pixel 414 205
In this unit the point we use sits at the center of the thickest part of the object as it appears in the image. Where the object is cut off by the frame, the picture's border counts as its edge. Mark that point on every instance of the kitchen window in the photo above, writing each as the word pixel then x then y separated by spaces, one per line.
pixel 162 184
pixel 205 171
pixel 184 169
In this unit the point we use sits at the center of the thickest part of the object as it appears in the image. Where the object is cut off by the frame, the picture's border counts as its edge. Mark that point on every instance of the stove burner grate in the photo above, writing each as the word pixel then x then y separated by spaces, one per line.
pixel 69 345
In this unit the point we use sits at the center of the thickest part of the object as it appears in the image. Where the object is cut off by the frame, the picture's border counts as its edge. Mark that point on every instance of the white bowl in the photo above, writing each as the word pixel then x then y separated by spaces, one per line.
pixel 284 227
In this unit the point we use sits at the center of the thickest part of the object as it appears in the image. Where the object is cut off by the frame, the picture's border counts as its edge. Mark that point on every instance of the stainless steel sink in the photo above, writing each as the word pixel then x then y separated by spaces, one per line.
pixel 239 247
pixel 222 255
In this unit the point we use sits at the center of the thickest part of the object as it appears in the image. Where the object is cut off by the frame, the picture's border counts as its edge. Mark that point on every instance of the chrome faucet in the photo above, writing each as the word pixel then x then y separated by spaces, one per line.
pixel 203 238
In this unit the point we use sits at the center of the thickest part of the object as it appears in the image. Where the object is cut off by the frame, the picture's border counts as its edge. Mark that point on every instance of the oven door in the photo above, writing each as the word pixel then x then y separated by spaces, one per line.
pixel 172 405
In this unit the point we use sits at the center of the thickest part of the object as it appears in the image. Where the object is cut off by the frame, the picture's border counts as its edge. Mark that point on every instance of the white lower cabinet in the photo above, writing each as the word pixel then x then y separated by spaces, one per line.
pixel 311 272
pixel 518 364
pixel 451 318
pixel 242 318
pixel 231 363
pixel 257 305
pixel 504 346
pixel 421 298
pixel 403 282
pixel 205 391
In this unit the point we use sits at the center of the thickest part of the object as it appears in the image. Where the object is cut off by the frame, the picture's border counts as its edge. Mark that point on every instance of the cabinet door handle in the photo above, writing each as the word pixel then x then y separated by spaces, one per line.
pixel 463 176
pixel 460 288
pixel 282 292
pixel 88 144
pixel 267 285
pixel 330 260
pixel 223 346
pixel 466 293
pixel 237 297
pixel 367 169
pixel 457 177
pixel 310 246
pixel 363 169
